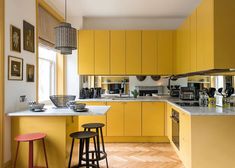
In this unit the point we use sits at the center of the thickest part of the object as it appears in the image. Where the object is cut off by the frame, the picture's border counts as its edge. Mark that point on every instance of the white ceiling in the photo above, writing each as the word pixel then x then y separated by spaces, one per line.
pixel 127 8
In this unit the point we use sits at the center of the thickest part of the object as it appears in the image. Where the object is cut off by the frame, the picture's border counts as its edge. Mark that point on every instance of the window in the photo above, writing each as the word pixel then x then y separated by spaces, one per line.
pixel 47 73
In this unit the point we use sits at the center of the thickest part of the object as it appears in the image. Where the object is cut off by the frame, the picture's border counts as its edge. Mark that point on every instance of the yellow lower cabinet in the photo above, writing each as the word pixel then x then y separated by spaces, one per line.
pixel 169 121
pixel 185 139
pixel 93 119
pixel 153 118
pixel 115 119
pixel 132 119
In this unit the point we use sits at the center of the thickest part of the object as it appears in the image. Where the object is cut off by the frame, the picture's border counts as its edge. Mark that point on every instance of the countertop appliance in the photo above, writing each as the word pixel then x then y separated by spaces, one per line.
pixel 175 128
pixel 175 91
pixel 114 88
pixel 187 93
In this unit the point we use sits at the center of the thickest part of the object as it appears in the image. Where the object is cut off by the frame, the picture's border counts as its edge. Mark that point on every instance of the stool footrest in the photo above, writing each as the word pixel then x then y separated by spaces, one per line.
pixel 93 152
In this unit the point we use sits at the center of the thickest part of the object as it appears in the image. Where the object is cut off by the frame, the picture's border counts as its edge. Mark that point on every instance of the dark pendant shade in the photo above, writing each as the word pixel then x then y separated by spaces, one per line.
pixel 66 38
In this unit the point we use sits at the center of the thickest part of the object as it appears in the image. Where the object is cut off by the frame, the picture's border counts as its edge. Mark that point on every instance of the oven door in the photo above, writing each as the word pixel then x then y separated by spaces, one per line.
pixel 175 132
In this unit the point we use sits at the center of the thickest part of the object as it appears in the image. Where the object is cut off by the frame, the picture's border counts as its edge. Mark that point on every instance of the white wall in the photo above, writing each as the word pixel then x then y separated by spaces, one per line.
pixel 15 12
pixel 72 77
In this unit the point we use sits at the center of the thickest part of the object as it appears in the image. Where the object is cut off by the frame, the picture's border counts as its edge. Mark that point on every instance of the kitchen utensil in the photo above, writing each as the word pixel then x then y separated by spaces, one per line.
pixel 211 92
pixel 156 77
pixel 60 101
pixel 220 90
pixel 141 78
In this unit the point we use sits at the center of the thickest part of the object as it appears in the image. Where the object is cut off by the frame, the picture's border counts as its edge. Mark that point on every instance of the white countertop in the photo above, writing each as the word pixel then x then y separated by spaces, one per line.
pixel 101 110
pixel 52 111
pixel 194 111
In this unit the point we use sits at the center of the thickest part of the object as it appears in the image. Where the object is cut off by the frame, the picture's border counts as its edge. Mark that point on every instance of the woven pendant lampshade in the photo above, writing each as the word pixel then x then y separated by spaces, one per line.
pixel 66 36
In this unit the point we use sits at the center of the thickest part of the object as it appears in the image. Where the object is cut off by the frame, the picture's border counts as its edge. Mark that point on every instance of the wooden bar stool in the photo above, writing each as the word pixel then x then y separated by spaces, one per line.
pixel 30 138
pixel 98 129
pixel 84 137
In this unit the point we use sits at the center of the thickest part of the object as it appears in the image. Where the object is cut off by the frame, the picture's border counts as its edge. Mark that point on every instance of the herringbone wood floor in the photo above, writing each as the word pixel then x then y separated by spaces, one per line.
pixel 141 155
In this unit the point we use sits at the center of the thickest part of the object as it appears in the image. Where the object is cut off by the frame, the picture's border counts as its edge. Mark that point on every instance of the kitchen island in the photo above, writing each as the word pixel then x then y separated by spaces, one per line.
pixel 57 124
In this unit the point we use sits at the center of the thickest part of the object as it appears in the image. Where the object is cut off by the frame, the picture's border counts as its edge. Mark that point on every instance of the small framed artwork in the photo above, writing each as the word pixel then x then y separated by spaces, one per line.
pixel 15 68
pixel 28 33
pixel 29 73
pixel 15 39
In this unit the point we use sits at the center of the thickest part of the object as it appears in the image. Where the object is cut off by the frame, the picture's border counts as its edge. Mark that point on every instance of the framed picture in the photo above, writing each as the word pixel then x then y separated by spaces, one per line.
pixel 15 39
pixel 28 32
pixel 15 68
pixel 29 73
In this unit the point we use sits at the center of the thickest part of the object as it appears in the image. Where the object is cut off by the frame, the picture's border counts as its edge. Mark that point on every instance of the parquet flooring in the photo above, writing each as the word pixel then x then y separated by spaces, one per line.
pixel 141 155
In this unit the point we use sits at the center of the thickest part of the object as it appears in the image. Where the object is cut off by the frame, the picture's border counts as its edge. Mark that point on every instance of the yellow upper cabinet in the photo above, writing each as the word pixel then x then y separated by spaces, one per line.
pixel 149 52
pixel 205 34
pixel 86 52
pixel 132 119
pixel 153 118
pixel 102 55
pixel 133 52
pixel 193 42
pixel 117 52
pixel 165 52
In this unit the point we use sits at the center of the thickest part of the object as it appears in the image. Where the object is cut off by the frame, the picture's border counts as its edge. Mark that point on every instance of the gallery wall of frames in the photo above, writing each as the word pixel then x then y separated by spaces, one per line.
pixel 16 64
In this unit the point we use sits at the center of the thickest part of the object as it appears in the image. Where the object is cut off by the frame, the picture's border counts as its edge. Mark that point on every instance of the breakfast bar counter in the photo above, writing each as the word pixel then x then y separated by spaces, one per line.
pixel 57 124
pixel 53 111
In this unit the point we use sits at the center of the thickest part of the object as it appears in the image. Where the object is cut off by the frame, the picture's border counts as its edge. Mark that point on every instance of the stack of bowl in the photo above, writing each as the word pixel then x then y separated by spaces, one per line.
pixel 77 106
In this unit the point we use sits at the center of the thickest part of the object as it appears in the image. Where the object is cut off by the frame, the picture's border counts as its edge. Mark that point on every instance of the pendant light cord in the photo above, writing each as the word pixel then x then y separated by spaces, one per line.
pixel 65 10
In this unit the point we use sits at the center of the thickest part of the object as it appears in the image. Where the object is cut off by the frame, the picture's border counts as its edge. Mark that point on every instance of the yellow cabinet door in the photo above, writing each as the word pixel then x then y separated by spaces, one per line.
pixel 102 55
pixel 132 119
pixel 169 122
pixel 133 52
pixel 93 119
pixel 117 52
pixel 115 119
pixel 153 119
pixel 205 34
pixel 185 140
pixel 149 52
pixel 86 52
pixel 165 52
pixel 193 42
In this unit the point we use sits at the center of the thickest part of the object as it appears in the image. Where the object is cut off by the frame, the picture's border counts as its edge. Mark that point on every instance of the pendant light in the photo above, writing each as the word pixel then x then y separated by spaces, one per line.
pixel 66 36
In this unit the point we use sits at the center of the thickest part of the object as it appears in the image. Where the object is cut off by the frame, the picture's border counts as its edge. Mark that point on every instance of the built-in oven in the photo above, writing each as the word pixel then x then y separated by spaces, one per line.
pixel 175 128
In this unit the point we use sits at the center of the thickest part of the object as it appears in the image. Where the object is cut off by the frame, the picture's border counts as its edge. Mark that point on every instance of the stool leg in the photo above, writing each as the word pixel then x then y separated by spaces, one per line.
pixel 71 153
pixel 98 142
pixel 87 152
pixel 96 152
pixel 45 154
pixel 80 152
pixel 102 140
pixel 30 154
pixel 17 150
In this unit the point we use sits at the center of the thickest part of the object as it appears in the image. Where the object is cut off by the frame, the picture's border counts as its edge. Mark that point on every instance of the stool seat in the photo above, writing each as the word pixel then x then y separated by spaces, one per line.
pixel 93 125
pixel 83 134
pixel 30 137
